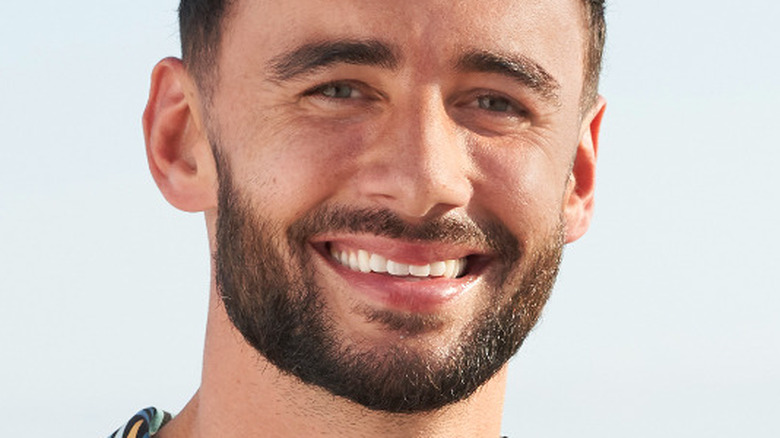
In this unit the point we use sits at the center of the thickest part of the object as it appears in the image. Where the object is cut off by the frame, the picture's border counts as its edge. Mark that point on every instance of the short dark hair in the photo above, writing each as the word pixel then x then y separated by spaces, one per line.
pixel 200 29
pixel 200 25
pixel 594 48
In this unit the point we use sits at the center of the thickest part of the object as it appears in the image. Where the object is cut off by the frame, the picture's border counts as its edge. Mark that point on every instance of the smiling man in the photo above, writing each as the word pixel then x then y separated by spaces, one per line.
pixel 387 187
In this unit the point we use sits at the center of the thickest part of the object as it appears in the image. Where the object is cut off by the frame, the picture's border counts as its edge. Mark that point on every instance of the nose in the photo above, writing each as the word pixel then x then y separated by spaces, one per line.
pixel 418 163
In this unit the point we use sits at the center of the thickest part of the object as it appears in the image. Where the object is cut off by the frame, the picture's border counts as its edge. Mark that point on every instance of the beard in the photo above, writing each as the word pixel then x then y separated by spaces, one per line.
pixel 265 278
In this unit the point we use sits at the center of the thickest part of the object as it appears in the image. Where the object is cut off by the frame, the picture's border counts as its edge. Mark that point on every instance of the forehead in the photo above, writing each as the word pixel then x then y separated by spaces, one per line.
pixel 427 33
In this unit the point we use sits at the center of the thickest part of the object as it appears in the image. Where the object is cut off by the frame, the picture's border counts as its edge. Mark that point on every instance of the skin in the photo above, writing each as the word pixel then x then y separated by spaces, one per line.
pixel 412 139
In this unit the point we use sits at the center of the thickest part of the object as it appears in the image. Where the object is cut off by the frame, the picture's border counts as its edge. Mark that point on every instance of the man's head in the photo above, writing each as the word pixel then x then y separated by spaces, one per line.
pixel 388 185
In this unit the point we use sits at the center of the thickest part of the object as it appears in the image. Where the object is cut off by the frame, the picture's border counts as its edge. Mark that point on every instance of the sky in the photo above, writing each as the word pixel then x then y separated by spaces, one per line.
pixel 664 320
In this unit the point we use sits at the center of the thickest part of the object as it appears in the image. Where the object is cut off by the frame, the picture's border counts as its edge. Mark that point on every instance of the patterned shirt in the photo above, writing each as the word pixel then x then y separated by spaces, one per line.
pixel 143 425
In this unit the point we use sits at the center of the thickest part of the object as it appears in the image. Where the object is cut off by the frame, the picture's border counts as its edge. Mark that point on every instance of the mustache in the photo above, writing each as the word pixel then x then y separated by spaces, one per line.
pixel 450 229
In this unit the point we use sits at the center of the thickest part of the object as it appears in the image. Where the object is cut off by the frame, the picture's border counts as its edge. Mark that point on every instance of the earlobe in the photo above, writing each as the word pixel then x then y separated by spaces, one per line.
pixel 177 146
pixel 578 209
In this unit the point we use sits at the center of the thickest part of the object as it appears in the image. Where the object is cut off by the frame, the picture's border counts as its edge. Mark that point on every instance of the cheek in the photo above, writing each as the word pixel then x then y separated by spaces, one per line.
pixel 291 171
pixel 523 188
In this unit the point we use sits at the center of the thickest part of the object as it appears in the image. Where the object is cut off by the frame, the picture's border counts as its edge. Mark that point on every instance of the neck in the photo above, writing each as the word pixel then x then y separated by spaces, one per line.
pixel 242 395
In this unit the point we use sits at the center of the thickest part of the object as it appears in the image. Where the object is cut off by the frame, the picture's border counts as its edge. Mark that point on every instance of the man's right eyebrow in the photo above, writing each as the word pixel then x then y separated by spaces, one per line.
pixel 313 56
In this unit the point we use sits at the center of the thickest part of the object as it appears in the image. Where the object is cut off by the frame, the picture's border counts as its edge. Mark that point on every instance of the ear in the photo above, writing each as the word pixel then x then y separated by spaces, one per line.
pixel 177 146
pixel 578 207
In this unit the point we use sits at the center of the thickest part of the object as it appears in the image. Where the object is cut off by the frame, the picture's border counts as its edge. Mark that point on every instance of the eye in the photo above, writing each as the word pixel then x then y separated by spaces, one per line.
pixel 335 90
pixel 494 103
pixel 490 112
pixel 338 91
pixel 491 103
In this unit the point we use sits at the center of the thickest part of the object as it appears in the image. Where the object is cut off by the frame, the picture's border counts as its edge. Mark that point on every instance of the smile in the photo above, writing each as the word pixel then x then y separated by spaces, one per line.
pixel 406 276
pixel 363 261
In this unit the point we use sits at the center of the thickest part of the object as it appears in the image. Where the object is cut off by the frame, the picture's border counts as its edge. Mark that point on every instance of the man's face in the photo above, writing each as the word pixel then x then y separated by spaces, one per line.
pixel 392 183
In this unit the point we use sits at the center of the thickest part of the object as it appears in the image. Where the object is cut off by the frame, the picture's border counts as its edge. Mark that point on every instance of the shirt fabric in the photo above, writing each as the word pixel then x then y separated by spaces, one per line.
pixel 144 424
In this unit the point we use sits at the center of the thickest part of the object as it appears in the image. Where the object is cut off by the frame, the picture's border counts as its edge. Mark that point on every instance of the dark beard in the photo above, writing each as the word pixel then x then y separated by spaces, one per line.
pixel 273 300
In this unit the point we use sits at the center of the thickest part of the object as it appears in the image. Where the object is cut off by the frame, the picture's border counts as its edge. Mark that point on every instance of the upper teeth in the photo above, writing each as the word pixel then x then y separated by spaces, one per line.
pixel 364 261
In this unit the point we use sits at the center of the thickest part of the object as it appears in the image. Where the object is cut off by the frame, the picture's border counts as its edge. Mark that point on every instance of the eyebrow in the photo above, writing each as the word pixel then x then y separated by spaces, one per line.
pixel 517 67
pixel 313 56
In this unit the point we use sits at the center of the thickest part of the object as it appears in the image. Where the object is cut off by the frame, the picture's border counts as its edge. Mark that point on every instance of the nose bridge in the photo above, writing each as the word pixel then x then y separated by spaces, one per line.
pixel 419 163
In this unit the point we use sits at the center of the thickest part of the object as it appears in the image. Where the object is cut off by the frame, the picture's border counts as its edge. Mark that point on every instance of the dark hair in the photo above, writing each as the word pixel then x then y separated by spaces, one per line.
pixel 200 24
pixel 594 48
pixel 200 27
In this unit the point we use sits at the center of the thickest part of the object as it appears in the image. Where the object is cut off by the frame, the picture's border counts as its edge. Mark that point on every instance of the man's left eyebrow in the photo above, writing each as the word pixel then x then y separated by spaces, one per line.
pixel 312 56
pixel 517 67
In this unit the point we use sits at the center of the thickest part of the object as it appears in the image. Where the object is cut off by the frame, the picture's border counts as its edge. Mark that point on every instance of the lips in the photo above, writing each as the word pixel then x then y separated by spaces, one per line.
pixel 401 275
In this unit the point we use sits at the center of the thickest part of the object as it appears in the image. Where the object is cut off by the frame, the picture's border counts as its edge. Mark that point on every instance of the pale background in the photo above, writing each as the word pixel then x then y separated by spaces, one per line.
pixel 664 322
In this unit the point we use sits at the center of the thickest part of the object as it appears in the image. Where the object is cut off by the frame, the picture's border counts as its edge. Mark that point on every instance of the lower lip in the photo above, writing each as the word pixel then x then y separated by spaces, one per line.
pixel 408 294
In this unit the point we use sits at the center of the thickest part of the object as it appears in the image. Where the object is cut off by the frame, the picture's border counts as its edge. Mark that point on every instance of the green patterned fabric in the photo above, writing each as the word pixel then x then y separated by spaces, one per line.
pixel 144 424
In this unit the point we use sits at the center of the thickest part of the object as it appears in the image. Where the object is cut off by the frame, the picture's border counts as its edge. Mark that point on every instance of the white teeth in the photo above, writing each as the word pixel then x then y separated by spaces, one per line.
pixel 399 269
pixel 438 269
pixel 454 268
pixel 450 268
pixel 363 261
pixel 420 271
pixel 353 262
pixel 378 263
